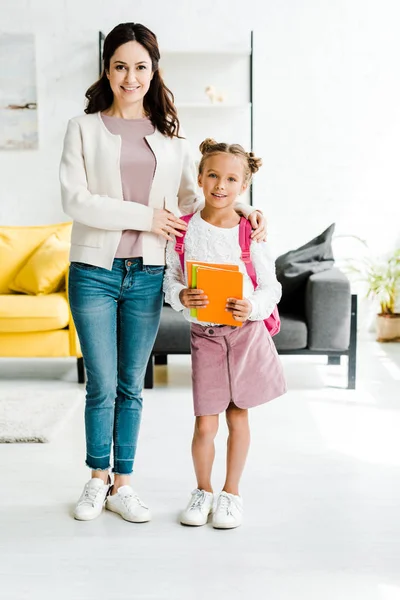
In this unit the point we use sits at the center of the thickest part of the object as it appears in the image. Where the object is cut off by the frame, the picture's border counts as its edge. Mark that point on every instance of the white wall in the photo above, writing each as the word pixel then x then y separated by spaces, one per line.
pixel 328 120
pixel 327 104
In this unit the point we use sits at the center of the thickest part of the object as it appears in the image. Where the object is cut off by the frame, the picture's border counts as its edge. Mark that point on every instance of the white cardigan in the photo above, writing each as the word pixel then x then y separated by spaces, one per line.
pixel 91 191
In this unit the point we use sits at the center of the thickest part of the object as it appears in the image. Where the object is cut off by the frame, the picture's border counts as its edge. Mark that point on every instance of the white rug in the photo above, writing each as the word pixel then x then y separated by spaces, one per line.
pixel 34 415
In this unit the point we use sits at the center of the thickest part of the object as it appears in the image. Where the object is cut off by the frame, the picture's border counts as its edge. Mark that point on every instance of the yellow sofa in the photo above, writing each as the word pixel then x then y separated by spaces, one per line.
pixel 35 319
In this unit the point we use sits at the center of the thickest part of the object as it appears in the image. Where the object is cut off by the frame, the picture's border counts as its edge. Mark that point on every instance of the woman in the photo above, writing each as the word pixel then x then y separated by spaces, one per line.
pixel 125 172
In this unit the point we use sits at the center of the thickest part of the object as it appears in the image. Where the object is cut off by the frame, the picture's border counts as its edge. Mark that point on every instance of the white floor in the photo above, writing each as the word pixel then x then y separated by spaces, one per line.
pixel 321 492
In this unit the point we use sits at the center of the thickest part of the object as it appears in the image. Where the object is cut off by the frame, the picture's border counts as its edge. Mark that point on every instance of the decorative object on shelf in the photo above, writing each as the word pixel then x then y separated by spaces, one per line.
pixel 18 109
pixel 214 95
pixel 382 277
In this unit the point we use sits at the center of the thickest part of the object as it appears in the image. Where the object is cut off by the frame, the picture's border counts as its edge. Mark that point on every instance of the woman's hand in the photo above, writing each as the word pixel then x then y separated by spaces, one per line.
pixel 259 224
pixel 240 309
pixel 166 224
pixel 193 298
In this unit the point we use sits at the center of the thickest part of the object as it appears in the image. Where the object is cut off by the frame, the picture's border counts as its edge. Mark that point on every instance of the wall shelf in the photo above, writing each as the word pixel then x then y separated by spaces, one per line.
pixel 208 52
pixel 216 105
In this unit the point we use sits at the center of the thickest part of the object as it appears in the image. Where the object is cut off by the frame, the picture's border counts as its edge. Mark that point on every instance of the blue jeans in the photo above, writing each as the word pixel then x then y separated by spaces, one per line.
pixel 116 314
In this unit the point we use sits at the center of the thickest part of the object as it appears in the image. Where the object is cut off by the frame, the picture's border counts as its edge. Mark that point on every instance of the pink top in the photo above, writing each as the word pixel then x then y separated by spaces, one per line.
pixel 138 164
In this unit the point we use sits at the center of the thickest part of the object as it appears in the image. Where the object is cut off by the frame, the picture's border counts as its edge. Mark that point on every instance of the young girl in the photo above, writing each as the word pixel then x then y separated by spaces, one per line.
pixel 233 368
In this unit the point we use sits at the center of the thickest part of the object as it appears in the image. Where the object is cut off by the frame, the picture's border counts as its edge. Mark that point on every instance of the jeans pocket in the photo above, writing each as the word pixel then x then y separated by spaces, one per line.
pixel 84 266
pixel 154 270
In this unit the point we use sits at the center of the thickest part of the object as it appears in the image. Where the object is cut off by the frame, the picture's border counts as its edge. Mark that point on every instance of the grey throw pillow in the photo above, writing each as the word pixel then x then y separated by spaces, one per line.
pixel 295 267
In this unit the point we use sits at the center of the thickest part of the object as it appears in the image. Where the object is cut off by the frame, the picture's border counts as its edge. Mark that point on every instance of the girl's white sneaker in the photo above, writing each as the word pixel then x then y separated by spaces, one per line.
pixel 91 501
pixel 128 504
pixel 199 507
pixel 228 513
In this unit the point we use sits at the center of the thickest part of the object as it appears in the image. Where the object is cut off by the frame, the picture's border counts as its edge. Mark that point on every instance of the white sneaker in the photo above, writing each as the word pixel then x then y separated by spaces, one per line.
pixel 229 511
pixel 199 507
pixel 128 504
pixel 90 504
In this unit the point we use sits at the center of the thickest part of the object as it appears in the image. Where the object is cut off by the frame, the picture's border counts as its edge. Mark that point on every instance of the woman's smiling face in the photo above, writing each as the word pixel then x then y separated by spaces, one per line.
pixel 222 179
pixel 130 73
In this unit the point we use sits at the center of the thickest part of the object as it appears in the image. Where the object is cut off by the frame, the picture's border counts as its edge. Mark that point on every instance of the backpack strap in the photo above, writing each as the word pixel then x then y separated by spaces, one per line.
pixel 180 242
pixel 273 322
pixel 245 230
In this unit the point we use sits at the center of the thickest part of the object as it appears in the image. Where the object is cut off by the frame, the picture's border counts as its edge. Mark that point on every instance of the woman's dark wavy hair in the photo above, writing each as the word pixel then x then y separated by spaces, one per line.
pixel 159 100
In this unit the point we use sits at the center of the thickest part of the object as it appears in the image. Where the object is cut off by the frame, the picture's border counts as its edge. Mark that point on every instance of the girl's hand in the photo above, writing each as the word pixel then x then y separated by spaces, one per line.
pixel 259 224
pixel 240 309
pixel 193 298
pixel 166 224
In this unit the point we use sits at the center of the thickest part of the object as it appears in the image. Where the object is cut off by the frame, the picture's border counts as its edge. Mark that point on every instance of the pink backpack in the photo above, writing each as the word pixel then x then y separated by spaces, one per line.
pixel 273 323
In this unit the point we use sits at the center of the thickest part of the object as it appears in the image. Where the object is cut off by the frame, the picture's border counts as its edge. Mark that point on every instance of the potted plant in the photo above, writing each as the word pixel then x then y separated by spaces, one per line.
pixel 382 277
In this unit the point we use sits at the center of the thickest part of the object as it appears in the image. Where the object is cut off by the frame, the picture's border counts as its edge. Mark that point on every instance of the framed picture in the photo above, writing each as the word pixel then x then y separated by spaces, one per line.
pixel 18 103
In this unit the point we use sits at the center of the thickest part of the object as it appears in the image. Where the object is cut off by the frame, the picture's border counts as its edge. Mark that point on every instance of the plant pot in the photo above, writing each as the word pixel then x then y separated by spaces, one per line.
pixel 388 328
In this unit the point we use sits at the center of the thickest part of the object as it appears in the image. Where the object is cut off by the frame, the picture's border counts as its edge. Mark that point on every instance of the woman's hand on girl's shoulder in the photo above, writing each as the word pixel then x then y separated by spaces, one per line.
pixel 166 224
pixel 259 225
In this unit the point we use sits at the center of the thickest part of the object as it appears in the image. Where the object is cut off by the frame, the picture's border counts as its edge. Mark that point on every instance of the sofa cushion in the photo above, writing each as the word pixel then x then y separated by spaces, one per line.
pixel 45 269
pixel 294 268
pixel 328 310
pixel 293 333
pixel 18 243
pixel 33 313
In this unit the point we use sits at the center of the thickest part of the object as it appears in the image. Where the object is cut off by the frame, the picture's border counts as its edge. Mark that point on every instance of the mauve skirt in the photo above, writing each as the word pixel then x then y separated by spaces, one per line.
pixel 234 364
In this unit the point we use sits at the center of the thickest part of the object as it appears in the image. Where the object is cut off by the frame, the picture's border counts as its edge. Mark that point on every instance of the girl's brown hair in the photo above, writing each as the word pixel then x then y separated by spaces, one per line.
pixel 210 146
pixel 159 100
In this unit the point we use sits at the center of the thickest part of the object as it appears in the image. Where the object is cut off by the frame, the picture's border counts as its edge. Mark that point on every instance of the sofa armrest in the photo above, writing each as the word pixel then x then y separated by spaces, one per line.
pixel 327 304
pixel 74 345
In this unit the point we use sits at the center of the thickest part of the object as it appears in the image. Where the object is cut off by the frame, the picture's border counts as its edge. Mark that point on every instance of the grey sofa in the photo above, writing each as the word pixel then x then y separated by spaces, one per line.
pixel 319 318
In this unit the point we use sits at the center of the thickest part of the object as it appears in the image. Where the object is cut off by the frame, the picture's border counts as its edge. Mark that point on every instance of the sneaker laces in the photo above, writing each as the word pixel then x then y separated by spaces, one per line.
pixel 225 504
pixel 90 495
pixel 199 497
pixel 132 498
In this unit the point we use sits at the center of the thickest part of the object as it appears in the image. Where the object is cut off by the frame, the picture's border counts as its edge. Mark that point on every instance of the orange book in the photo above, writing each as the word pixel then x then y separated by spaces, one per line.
pixel 191 269
pixel 190 263
pixel 219 285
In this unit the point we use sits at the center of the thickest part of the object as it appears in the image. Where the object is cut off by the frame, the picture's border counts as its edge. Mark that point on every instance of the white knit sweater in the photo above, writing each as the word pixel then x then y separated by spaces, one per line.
pixel 206 243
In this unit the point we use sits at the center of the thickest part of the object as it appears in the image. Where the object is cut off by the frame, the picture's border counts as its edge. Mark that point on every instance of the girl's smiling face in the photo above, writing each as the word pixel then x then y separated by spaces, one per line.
pixel 222 179
pixel 130 73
